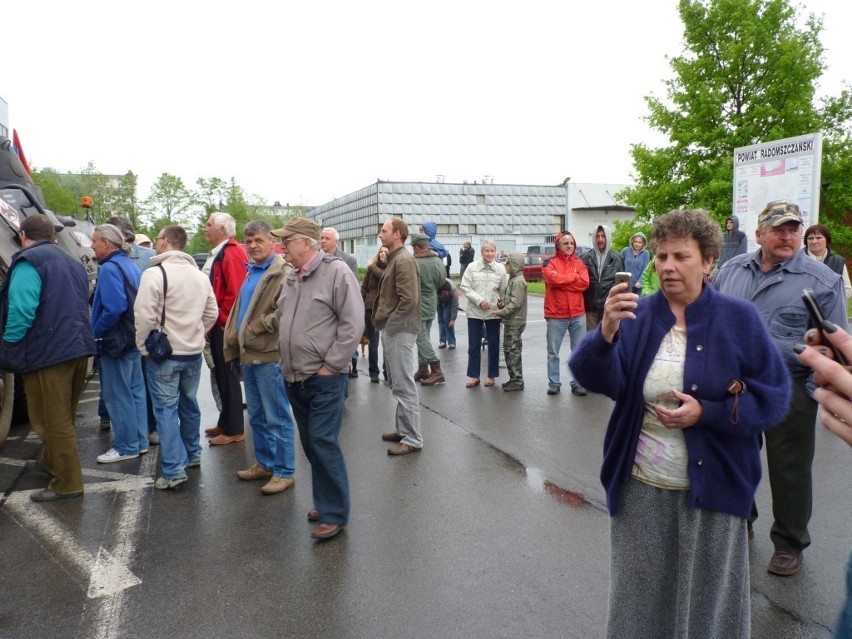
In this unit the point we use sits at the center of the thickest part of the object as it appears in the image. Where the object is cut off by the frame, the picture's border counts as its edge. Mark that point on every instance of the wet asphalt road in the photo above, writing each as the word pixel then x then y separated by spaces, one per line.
pixel 496 529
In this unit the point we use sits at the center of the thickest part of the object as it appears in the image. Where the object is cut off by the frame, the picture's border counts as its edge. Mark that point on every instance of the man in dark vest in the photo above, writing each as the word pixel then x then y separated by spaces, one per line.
pixel 47 339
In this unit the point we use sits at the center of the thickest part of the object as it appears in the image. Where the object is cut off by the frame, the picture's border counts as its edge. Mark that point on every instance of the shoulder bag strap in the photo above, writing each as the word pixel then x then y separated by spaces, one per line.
pixel 165 290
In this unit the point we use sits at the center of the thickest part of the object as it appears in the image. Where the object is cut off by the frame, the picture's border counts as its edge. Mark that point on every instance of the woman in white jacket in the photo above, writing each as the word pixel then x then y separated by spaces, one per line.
pixel 483 284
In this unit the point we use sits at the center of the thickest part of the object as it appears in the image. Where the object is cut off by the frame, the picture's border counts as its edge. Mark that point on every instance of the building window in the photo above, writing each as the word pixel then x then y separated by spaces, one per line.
pixel 559 223
pixel 480 199
pixel 448 229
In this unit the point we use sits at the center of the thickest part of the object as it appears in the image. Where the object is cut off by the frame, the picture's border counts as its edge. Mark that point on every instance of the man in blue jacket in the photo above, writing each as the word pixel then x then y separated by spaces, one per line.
pixel 121 364
pixel 772 278
pixel 44 312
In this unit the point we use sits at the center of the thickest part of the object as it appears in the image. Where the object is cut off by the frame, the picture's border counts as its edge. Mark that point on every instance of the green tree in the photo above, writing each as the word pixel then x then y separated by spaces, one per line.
pixel 121 199
pixel 170 202
pixel 57 196
pixel 748 74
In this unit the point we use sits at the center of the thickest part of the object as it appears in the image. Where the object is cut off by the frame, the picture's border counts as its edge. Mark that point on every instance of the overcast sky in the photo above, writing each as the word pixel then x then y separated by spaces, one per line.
pixel 304 102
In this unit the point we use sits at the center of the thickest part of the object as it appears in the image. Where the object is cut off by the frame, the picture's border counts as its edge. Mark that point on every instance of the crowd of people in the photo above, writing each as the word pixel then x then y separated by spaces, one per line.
pixel 692 407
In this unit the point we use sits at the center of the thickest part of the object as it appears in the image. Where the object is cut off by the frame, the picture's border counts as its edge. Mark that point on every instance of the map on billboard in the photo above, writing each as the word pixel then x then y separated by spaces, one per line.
pixel 786 169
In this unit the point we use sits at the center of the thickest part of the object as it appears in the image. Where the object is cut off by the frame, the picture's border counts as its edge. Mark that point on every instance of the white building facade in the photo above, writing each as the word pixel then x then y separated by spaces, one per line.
pixel 513 215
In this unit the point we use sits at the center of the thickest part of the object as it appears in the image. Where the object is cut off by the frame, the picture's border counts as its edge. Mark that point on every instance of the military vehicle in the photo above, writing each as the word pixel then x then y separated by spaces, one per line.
pixel 21 198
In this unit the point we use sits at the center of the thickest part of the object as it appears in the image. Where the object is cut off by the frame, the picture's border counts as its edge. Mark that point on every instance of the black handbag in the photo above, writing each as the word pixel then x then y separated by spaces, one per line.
pixel 121 338
pixel 157 343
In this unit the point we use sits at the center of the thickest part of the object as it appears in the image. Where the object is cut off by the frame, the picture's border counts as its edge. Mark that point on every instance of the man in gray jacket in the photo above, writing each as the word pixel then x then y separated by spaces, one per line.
pixel 772 279
pixel 321 320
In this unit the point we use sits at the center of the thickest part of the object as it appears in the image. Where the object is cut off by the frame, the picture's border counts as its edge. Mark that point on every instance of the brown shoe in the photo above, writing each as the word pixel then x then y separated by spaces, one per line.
pixel 221 440
pixel 785 564
pixel 392 437
pixel 212 432
pixel 403 449
pixel 436 376
pixel 421 373
pixel 326 531
pixel 313 515
pixel 254 472
pixel 277 485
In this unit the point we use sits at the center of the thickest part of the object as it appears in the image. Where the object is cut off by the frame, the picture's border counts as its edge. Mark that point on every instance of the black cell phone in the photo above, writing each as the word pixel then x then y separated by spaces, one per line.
pixel 818 317
pixel 623 276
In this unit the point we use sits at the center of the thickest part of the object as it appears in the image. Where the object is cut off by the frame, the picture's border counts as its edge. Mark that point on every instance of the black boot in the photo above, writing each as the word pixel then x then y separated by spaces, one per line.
pixel 353 372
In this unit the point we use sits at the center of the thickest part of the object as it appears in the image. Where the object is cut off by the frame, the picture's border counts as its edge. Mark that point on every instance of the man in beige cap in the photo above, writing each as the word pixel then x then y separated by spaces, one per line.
pixel 321 320
pixel 772 278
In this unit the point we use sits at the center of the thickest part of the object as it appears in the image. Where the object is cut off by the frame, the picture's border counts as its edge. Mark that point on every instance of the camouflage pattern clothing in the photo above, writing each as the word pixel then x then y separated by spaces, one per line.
pixel 513 313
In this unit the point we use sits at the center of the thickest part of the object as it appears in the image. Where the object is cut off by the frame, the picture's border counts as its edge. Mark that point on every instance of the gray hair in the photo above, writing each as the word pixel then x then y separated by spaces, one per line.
pixel 126 227
pixel 114 236
pixel 333 231
pixel 258 227
pixel 315 244
pixel 225 221
pixel 490 243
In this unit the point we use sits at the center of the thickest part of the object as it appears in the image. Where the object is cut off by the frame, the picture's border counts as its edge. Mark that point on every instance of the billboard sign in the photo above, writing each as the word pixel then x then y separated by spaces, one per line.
pixel 786 169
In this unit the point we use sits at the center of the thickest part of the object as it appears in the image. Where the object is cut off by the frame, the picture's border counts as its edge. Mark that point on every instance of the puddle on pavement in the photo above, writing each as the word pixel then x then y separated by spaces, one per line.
pixel 536 480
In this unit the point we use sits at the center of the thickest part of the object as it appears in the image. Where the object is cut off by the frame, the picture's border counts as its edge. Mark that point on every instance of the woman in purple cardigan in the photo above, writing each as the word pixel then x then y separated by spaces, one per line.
pixel 695 378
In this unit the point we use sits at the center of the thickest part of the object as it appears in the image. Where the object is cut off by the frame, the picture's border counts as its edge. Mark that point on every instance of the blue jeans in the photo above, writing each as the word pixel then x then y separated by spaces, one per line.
pixel 270 418
pixel 474 346
pixel 173 385
pixel 446 333
pixel 123 390
pixel 318 407
pixel 556 329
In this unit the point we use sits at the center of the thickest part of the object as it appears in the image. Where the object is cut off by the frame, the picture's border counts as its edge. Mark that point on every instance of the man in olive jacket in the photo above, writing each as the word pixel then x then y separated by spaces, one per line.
pixel 251 334
pixel 396 313
pixel 432 277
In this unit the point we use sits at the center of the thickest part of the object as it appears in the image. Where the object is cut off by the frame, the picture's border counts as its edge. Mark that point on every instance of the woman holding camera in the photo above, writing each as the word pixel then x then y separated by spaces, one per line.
pixel 695 378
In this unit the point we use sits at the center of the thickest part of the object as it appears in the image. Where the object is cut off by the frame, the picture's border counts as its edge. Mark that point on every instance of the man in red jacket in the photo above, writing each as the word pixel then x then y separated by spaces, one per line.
pixel 565 278
pixel 227 269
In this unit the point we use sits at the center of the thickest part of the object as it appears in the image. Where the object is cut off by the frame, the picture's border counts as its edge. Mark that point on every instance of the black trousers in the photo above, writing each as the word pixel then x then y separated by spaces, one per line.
pixel 228 383
pixel 789 456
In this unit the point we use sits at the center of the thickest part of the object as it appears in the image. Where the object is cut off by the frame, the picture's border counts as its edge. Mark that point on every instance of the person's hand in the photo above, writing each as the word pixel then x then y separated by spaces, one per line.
pixel 835 382
pixel 684 416
pixel 619 305
pixel 501 304
pixel 484 305
pixel 451 323
pixel 494 314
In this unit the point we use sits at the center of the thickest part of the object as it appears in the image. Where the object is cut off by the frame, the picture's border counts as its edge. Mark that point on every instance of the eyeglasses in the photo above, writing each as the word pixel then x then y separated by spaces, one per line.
pixel 160 237
pixel 287 240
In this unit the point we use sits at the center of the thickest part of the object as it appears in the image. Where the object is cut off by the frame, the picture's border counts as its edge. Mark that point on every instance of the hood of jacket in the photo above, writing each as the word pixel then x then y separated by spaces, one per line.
pixel 431 230
pixel 634 236
pixel 559 236
pixel 736 222
pixel 607 234
pixel 516 261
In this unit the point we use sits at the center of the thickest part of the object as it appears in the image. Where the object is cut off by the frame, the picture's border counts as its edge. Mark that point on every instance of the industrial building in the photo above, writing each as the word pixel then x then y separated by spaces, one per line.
pixel 513 215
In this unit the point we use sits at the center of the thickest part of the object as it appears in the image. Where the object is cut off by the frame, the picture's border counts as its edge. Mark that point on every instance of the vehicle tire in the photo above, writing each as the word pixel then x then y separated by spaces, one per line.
pixel 7 399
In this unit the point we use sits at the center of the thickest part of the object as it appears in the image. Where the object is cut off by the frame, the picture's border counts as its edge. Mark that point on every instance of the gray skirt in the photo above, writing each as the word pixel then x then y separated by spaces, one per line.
pixel 676 572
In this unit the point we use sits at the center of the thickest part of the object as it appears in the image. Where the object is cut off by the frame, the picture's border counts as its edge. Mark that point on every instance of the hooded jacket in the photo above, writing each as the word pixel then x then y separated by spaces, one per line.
pixel 636 263
pixel 432 276
pixel 514 311
pixel 565 280
pixel 735 242
pixel 431 230
pixel 602 265
pixel 397 305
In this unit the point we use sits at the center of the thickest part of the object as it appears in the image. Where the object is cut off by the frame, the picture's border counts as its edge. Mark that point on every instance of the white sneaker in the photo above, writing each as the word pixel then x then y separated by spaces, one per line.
pixel 112 455
pixel 164 484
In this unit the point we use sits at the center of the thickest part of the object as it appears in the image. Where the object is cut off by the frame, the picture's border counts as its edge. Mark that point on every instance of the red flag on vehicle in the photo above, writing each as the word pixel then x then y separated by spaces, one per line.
pixel 19 151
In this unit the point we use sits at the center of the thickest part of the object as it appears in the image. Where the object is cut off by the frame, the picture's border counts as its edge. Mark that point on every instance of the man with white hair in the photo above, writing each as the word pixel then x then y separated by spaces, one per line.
pixel 329 239
pixel 227 268
pixel 120 362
